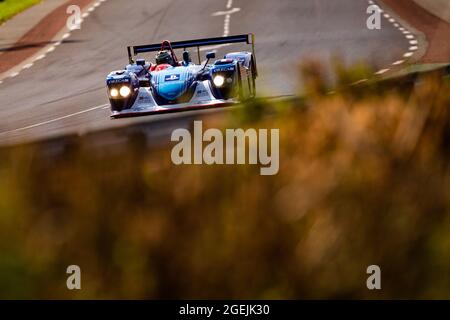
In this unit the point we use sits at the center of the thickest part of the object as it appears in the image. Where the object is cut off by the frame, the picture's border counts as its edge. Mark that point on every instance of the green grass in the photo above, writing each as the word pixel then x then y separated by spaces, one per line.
pixel 10 8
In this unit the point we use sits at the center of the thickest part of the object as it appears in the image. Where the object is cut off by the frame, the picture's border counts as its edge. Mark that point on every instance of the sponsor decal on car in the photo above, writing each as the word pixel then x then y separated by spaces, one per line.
pixel 202 93
pixel 223 69
pixel 114 81
pixel 172 77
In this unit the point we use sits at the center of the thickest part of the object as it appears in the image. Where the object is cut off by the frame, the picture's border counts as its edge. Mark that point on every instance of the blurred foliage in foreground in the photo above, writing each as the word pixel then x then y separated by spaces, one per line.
pixel 364 179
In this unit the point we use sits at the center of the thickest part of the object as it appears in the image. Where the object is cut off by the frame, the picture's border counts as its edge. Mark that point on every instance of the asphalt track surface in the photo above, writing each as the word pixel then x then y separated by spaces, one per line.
pixel 65 92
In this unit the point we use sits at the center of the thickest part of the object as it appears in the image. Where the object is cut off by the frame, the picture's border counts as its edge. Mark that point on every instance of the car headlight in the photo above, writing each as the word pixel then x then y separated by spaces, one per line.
pixel 114 92
pixel 125 91
pixel 219 81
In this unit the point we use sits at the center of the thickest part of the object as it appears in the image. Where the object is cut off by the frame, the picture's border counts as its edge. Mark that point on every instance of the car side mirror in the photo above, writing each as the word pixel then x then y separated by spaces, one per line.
pixel 210 55
pixel 186 57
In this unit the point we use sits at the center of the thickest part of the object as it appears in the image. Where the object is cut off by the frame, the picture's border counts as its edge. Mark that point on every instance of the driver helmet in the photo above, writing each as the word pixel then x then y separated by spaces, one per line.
pixel 164 57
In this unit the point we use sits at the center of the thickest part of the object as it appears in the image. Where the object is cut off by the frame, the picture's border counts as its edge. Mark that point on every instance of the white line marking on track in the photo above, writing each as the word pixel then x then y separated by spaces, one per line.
pixel 214 48
pixel 382 71
pixel 396 63
pixel 408 35
pixel 226 26
pixel 224 13
pixel 55 120
pixel 227 14
pixel 359 82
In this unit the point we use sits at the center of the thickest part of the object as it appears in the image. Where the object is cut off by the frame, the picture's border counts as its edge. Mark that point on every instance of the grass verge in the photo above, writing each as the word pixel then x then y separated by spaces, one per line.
pixel 9 8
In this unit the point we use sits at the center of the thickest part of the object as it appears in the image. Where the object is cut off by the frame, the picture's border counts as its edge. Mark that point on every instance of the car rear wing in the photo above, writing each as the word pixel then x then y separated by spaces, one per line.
pixel 133 51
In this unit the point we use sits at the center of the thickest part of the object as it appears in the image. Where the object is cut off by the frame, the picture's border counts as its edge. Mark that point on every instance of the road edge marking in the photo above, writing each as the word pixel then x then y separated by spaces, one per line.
pixel 43 123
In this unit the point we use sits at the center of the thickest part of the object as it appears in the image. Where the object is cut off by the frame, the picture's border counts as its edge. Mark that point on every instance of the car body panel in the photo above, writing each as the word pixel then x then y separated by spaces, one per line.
pixel 145 102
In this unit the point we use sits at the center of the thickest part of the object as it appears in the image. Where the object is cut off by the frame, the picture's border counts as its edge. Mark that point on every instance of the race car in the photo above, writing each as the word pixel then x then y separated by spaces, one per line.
pixel 168 84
